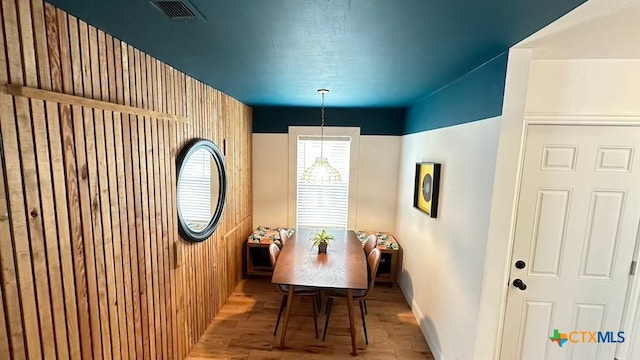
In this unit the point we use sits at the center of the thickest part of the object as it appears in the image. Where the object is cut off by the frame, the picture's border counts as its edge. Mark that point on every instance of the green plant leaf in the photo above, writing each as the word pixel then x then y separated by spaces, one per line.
pixel 319 237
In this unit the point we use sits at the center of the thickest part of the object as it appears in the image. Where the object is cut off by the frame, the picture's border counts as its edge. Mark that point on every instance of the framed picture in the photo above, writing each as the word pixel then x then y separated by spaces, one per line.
pixel 427 185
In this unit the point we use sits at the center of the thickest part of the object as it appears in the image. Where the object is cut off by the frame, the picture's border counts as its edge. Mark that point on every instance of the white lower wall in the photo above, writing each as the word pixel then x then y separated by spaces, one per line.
pixel 378 182
pixel 444 257
pixel 270 183
pixel 378 165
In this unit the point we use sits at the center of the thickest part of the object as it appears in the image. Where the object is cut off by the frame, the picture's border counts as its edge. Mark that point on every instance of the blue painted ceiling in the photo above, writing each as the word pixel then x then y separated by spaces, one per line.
pixel 370 53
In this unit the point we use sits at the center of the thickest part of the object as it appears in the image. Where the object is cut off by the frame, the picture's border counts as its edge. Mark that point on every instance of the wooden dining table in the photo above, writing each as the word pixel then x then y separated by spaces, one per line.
pixel 344 266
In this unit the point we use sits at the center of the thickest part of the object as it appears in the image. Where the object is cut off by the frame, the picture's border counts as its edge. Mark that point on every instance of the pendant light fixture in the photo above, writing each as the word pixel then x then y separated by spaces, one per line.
pixel 321 172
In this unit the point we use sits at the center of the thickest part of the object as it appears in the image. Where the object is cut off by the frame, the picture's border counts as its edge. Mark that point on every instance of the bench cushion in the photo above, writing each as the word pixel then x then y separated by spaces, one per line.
pixel 386 241
pixel 267 235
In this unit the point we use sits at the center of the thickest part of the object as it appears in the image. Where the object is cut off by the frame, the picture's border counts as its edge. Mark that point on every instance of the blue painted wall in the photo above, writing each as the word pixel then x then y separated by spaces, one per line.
pixel 372 121
pixel 475 96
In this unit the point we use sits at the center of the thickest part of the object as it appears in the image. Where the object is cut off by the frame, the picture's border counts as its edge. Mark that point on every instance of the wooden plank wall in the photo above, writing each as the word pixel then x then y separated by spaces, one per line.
pixel 88 230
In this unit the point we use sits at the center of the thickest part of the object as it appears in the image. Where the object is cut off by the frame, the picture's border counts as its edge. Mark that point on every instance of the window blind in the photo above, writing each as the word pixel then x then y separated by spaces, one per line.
pixel 323 205
pixel 195 188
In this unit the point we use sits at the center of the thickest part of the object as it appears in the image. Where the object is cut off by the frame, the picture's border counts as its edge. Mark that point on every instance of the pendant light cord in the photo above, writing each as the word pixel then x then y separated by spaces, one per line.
pixel 321 172
pixel 322 127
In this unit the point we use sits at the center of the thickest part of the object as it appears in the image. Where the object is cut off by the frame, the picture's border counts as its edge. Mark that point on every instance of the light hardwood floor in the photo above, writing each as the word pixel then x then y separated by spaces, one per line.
pixel 243 329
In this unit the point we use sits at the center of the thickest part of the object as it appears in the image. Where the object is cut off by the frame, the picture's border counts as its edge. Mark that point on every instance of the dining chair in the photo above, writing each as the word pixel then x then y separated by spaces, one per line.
pixel 284 236
pixel 274 252
pixel 370 244
pixel 373 260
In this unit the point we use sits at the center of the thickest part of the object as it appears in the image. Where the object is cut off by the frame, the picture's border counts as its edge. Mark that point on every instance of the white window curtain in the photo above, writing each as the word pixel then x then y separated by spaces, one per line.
pixel 323 205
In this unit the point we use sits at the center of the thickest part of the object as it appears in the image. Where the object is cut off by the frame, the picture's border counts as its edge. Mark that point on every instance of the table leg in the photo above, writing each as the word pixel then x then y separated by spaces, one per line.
pixel 352 326
pixel 286 317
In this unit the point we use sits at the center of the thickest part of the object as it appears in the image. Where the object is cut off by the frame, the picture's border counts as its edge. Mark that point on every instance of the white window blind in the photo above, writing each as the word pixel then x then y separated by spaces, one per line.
pixel 323 205
pixel 195 189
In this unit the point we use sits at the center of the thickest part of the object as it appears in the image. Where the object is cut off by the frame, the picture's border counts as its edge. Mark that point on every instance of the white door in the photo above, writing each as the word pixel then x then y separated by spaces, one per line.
pixel 576 227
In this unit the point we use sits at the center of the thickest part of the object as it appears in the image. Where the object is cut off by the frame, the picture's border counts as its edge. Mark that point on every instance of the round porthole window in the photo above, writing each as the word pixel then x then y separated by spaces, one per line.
pixel 201 189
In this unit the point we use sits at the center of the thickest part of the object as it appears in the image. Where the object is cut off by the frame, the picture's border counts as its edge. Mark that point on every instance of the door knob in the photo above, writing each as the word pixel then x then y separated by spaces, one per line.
pixel 520 284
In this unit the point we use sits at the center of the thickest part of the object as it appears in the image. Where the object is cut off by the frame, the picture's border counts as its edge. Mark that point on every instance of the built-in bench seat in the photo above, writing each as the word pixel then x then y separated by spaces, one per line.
pixel 386 241
pixel 258 251
pixel 391 255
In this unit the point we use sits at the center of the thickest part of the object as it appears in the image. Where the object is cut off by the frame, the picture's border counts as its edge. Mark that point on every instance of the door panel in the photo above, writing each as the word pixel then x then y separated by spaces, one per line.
pixel 576 223
pixel 549 228
pixel 588 316
pixel 537 318
pixel 604 220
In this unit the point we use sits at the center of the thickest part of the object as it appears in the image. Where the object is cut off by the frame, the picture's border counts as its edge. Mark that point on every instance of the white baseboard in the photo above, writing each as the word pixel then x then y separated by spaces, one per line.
pixel 428 336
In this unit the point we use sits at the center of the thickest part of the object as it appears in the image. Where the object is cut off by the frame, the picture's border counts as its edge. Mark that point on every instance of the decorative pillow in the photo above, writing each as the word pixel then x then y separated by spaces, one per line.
pixel 267 235
pixel 386 241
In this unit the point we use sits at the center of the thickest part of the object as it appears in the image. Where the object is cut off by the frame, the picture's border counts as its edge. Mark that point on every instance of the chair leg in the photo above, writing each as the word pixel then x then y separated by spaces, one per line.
pixel 366 312
pixel 326 321
pixel 283 303
pixel 314 308
pixel 364 323
pixel 326 306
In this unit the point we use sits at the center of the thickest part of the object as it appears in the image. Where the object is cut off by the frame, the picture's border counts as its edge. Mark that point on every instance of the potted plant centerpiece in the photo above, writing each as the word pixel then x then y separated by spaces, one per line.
pixel 321 240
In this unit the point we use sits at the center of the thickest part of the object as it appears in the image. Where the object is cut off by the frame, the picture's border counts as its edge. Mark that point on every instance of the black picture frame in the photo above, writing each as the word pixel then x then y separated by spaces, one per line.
pixel 185 231
pixel 427 188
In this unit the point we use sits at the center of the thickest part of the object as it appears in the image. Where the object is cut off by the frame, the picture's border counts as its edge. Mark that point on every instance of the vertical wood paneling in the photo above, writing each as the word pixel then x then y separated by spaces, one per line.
pixel 164 245
pixel 13 171
pixel 188 268
pixel 4 336
pixel 94 261
pixel 16 265
pixel 88 226
pixel 45 171
pixel 131 271
pixel 137 159
pixel 104 242
pixel 62 80
pixel 116 195
pixel 50 53
pixel 200 287
pixel 144 253
pixel 11 321
pixel 177 278
pixel 8 286
pixel 130 162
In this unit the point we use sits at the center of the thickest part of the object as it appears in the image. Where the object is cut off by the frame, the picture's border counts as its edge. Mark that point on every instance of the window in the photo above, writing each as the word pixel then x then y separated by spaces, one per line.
pixel 318 204
pixel 194 188
pixel 350 137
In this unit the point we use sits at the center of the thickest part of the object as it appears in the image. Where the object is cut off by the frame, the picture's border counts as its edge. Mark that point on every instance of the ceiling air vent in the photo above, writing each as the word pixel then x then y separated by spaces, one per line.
pixel 180 10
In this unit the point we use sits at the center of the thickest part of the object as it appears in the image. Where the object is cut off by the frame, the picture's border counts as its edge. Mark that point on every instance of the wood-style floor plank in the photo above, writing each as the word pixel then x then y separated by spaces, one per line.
pixel 243 329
